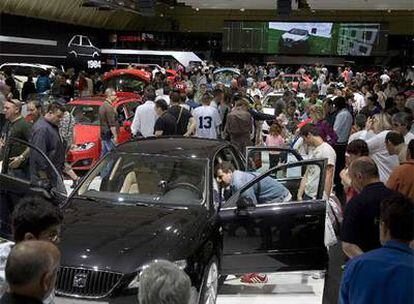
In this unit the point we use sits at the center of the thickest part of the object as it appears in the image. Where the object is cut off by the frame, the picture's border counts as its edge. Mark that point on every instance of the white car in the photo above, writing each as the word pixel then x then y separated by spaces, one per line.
pixel 294 38
pixel 21 71
pixel 269 103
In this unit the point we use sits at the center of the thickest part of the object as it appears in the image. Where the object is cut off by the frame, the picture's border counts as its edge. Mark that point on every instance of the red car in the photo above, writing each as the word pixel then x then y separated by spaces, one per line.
pixel 127 82
pixel 86 147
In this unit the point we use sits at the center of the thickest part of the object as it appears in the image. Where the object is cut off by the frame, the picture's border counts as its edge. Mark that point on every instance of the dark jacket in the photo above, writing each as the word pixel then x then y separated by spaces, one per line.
pixel 45 136
pixel 28 88
pixel 11 298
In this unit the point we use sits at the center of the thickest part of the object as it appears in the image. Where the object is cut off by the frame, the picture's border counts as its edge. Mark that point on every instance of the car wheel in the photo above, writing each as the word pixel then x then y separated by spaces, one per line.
pixel 208 294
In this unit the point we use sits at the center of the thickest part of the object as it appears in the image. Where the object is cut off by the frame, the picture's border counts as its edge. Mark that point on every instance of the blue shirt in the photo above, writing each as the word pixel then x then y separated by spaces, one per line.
pixel 269 190
pixel 384 275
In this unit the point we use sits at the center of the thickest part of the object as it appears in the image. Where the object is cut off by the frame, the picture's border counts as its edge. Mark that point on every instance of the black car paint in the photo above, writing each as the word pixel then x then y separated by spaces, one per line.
pixel 123 238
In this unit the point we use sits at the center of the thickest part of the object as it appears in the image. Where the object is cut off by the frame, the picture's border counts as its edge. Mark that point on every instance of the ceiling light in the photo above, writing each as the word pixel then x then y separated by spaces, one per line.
pixel 197 9
pixel 242 9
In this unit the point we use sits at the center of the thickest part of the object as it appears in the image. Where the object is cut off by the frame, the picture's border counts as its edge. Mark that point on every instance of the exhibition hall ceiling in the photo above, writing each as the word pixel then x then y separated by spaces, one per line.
pixel 313 4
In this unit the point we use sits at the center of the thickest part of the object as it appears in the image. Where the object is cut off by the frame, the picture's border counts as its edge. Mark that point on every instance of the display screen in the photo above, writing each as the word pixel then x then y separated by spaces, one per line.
pixel 305 38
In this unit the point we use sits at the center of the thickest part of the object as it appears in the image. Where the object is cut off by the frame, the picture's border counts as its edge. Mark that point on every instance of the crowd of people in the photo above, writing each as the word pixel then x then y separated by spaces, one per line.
pixel 360 120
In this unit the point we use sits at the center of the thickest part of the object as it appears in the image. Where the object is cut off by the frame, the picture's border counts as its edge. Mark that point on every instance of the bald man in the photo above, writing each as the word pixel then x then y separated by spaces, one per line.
pixel 31 271
pixel 360 228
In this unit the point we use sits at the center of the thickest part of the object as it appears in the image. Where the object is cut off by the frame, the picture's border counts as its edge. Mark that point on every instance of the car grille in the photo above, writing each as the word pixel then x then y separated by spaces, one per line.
pixel 89 283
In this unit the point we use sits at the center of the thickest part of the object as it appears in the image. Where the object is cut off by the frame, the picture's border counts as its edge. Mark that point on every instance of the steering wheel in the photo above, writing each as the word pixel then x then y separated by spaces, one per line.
pixel 188 185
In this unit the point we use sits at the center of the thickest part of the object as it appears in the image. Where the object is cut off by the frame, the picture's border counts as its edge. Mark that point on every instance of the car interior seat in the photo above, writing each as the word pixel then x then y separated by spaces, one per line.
pixel 130 185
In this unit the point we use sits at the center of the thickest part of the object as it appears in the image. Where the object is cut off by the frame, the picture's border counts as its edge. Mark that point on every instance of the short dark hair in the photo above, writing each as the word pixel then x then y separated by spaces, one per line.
pixel 162 104
pixel 34 215
pixel 217 92
pixel 175 97
pixel 54 107
pixel 360 121
pixel 340 102
pixel 225 166
pixel 358 147
pixel 401 94
pixel 397 212
pixel 394 138
pixel 309 129
pixel 190 94
pixel 149 92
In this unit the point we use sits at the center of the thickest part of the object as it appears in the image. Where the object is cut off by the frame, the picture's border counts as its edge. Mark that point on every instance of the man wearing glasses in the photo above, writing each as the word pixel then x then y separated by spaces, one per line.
pixel 34 218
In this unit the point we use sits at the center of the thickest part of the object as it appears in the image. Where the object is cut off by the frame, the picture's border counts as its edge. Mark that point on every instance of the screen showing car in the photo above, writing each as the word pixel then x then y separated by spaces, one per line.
pixel 305 38
pixel 133 178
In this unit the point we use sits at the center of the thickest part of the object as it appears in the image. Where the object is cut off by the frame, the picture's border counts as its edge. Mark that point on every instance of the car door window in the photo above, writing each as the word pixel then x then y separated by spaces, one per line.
pixel 76 41
pixel 261 159
pixel 269 188
pixel 85 41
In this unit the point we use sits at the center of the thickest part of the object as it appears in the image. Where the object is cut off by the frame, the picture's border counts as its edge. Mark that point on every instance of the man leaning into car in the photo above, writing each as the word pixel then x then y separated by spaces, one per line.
pixel 268 190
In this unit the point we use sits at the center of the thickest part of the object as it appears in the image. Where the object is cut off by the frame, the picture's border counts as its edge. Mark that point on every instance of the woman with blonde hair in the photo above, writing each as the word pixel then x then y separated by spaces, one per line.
pixel 316 113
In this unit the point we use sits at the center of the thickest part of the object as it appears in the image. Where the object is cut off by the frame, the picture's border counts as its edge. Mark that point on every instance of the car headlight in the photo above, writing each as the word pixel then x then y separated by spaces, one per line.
pixel 84 146
pixel 182 264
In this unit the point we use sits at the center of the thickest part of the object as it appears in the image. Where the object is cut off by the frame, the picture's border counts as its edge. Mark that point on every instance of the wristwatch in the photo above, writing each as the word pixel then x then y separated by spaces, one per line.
pixel 21 158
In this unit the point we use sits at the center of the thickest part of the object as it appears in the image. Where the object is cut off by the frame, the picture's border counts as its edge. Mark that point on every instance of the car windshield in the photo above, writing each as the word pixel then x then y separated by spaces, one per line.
pixel 84 114
pixel 224 77
pixel 134 178
pixel 298 32
pixel 125 83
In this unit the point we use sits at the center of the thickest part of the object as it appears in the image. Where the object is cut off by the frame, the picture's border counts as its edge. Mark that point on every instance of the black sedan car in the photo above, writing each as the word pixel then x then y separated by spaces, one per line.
pixel 159 199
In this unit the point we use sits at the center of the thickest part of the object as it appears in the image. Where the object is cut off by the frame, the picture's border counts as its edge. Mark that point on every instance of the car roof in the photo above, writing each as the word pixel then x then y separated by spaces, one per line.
pixel 174 146
pixel 97 100
pixel 146 76
pixel 219 70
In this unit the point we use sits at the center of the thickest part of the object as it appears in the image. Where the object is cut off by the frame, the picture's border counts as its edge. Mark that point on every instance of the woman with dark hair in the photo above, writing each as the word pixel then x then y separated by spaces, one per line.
pixel 355 149
pixel 372 107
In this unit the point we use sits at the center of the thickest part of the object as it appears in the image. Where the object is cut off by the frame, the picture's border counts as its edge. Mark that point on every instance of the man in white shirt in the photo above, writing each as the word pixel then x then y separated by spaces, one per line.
pixel 359 100
pixel 385 78
pixel 308 188
pixel 145 116
pixel 207 119
pixel 378 151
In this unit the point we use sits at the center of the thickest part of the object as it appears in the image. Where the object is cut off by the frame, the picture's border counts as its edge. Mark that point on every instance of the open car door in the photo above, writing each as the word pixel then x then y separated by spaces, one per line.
pixel 16 184
pixel 275 236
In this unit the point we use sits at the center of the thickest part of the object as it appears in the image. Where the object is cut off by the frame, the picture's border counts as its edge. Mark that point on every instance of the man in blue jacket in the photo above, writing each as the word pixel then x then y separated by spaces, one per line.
pixel 385 275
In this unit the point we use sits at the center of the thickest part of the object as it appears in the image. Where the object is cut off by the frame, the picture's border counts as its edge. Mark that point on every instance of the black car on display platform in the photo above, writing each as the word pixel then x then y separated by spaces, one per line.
pixel 159 199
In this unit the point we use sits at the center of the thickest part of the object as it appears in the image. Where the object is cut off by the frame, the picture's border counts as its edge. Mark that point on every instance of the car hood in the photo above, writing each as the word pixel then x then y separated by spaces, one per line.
pixel 293 37
pixel 122 238
pixel 86 133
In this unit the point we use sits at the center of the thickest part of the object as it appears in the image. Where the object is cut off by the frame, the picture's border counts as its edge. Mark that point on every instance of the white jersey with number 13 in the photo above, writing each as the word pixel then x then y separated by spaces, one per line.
pixel 207 120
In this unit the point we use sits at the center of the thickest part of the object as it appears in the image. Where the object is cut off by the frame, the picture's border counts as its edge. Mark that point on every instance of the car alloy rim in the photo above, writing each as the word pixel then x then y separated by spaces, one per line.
pixel 211 284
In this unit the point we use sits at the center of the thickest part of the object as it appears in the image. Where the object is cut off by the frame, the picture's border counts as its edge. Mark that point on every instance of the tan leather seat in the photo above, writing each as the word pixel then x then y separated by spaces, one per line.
pixel 130 185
